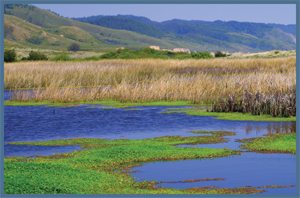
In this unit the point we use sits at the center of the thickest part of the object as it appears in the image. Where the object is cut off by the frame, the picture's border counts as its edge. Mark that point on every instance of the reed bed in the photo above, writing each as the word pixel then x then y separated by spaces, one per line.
pixel 133 72
pixel 278 105
pixel 196 90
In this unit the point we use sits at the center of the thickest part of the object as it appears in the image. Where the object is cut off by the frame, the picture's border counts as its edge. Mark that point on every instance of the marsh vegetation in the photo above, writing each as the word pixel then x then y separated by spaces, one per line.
pixel 257 86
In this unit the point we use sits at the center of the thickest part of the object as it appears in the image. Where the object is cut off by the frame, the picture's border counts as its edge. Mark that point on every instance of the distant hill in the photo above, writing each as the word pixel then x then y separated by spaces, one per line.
pixel 27 25
pixel 115 22
pixel 258 36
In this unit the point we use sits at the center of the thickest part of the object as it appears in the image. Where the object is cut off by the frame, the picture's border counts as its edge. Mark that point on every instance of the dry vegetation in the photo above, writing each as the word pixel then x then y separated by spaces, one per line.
pixel 114 72
pixel 270 84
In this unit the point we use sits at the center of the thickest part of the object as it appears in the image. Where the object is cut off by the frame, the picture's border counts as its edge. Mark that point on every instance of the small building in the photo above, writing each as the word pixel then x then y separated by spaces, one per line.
pixel 155 47
pixel 120 48
pixel 182 50
pixel 61 35
pixel 212 53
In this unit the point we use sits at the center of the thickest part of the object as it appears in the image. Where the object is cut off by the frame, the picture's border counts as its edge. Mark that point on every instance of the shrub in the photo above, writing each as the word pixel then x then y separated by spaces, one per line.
pixel 74 47
pixel 36 56
pixel 220 54
pixel 202 55
pixel 10 55
pixel 62 57
pixel 92 58
pixel 109 55
pixel 35 40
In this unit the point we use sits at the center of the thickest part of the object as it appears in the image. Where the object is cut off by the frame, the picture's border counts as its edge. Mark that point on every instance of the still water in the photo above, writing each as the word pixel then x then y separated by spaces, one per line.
pixel 39 123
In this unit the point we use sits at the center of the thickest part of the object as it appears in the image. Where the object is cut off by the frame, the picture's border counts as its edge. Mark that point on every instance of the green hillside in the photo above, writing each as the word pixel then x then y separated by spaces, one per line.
pixel 226 35
pixel 30 26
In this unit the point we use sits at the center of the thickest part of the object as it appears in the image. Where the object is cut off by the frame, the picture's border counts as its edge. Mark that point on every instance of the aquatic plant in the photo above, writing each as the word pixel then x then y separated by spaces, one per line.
pixel 282 104
pixel 272 143
pixel 97 169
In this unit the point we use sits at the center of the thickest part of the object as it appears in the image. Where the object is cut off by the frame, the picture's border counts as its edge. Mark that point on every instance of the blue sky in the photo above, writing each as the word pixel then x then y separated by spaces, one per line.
pixel 261 13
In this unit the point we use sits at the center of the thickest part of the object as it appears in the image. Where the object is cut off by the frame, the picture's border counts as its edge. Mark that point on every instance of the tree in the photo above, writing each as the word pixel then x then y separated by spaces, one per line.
pixel 74 47
pixel 37 56
pixel 220 54
pixel 10 55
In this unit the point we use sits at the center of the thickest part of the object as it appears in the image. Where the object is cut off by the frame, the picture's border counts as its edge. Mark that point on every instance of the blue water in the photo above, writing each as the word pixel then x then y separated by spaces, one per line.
pixel 40 123
pixel 252 169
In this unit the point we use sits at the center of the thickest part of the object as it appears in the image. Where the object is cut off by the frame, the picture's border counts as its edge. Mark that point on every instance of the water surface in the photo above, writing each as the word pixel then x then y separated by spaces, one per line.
pixel 41 123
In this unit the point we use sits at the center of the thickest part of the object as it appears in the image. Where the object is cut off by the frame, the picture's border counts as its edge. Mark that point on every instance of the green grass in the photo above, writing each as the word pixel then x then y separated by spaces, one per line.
pixel 151 53
pixel 187 108
pixel 273 143
pixel 236 116
pixel 97 169
pixel 110 102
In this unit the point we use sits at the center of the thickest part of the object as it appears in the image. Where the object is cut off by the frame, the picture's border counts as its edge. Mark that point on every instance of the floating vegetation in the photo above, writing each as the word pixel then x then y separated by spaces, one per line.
pixel 241 190
pixel 215 133
pixel 193 180
pixel 133 109
pixel 278 186
pixel 236 116
pixel 99 168
pixel 273 143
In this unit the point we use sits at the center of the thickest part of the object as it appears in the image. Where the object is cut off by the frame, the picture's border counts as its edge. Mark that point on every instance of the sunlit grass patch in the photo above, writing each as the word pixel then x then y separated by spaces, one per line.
pixel 273 143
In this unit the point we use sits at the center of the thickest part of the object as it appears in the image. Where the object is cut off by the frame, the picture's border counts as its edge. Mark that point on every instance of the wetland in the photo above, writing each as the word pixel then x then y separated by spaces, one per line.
pixel 138 129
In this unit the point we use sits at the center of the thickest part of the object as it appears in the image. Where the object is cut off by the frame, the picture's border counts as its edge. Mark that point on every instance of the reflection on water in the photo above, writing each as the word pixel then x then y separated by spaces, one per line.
pixel 28 150
pixel 287 127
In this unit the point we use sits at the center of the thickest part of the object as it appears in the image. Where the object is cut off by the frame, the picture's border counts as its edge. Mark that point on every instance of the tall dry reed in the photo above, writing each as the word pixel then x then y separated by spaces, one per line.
pixel 195 90
pixel 117 72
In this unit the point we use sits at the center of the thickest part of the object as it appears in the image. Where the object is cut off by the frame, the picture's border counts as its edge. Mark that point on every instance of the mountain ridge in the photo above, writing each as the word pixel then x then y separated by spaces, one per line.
pixel 136 32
